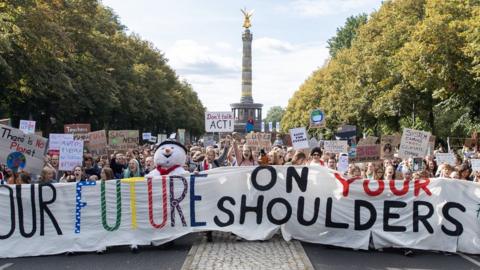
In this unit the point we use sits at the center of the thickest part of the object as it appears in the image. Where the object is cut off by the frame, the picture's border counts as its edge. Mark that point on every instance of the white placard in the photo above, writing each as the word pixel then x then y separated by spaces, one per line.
pixel 414 143
pixel 56 139
pixel 71 155
pixel 270 126
pixel 342 165
pixel 219 122
pixel 262 127
pixel 335 146
pixel 28 127
pixel 299 138
pixel 153 139
pixel 161 138
pixel 475 164
pixel 146 136
pixel 447 158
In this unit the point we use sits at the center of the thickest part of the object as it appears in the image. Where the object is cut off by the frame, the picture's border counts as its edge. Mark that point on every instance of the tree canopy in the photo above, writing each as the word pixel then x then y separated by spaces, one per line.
pixel 414 63
pixel 72 61
pixel 274 114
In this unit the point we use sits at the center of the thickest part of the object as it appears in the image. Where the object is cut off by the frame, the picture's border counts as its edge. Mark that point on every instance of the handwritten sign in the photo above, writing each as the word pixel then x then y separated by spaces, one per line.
pixel 31 146
pixel 414 143
pixel 122 139
pixel 79 131
pixel 299 138
pixel 56 139
pixel 335 146
pixel 28 127
pixel 219 121
pixel 97 144
pixel 342 165
pixel 368 152
pixel 71 155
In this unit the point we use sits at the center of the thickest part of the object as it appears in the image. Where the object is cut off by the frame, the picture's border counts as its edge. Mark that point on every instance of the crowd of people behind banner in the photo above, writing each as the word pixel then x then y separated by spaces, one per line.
pixel 235 152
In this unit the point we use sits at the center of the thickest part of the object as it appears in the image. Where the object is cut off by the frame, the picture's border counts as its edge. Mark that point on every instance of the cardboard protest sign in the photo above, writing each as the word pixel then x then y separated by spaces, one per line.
pixel 146 136
pixel 22 151
pixel 28 127
pixel 335 147
pixel 5 121
pixel 123 140
pixel 79 131
pixel 71 155
pixel 97 144
pixel 447 158
pixel 414 143
pixel 389 143
pixel 219 122
pixel 475 165
pixel 299 138
pixel 91 215
pixel 367 152
pixel 55 140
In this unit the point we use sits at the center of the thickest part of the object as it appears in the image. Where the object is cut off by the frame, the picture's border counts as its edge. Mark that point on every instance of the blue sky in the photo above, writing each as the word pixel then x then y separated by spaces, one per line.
pixel 202 41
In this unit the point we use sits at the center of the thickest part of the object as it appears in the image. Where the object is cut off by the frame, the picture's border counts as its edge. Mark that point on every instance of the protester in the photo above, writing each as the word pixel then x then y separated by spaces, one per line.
pixel 245 158
pixel 133 169
pixel 107 174
pixel 48 175
pixel 315 157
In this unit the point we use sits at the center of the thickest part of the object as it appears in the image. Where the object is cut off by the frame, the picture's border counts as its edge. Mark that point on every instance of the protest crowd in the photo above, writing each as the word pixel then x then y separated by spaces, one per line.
pixel 252 149
pixel 138 162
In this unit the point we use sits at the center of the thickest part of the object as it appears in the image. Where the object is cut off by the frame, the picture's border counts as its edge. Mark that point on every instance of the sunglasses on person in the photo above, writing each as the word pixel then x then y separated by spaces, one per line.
pixel 315 155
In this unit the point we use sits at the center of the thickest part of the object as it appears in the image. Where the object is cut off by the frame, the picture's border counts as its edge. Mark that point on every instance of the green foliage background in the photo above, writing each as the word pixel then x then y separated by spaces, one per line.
pixel 74 61
pixel 413 63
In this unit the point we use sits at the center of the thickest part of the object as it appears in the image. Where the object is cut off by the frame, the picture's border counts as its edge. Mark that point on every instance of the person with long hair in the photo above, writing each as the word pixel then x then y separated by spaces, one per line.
pixel 107 174
pixel 244 158
pixel 133 169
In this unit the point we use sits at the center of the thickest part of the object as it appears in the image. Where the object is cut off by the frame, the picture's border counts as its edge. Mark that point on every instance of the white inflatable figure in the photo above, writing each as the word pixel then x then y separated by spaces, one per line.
pixel 169 159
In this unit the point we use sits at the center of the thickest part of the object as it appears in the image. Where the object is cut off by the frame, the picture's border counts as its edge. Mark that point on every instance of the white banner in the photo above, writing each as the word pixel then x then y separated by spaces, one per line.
pixel 219 121
pixel 22 151
pixel 312 204
pixel 71 155
pixel 475 165
pixel 56 139
pixel 28 127
pixel 335 147
pixel 414 143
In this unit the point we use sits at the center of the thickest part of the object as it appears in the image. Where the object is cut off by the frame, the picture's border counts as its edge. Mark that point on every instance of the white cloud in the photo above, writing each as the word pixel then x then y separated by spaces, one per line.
pixel 268 45
pixel 276 76
pixel 311 8
pixel 190 57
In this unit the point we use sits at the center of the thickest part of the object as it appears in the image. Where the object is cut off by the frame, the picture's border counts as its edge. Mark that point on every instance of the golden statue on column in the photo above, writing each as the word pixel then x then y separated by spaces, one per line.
pixel 247 14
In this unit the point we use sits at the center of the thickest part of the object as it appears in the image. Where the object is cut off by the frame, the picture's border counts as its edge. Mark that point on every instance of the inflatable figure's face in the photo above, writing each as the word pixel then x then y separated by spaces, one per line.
pixel 169 155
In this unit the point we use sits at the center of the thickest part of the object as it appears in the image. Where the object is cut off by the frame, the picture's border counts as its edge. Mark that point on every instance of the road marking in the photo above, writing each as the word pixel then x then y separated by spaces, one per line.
pixel 5 266
pixel 470 259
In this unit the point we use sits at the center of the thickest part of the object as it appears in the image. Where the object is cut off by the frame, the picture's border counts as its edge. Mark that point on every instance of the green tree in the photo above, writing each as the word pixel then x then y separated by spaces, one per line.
pixel 274 114
pixel 345 34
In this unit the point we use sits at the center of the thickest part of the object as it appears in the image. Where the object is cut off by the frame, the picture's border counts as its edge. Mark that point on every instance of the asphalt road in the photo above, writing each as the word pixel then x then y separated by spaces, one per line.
pixel 322 258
